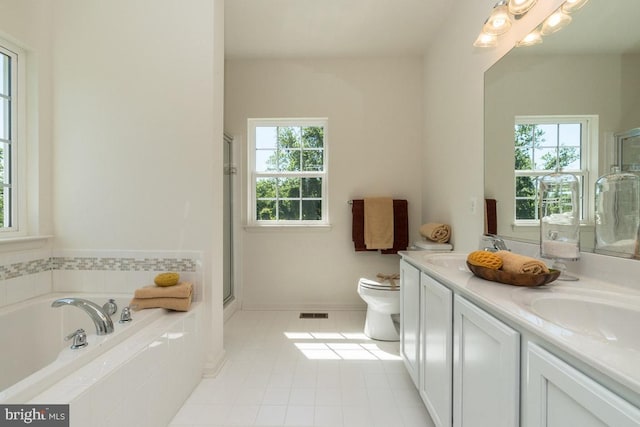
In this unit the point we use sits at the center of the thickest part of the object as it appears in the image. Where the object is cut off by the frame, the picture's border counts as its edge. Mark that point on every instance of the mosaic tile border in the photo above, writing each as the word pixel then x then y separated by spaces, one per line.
pixel 18 269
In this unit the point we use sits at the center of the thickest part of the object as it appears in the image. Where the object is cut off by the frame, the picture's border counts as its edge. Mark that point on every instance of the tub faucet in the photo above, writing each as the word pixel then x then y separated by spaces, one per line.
pixel 100 318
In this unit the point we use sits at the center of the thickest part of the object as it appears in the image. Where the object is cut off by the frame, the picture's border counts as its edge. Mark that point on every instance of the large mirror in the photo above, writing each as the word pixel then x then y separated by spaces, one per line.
pixel 590 70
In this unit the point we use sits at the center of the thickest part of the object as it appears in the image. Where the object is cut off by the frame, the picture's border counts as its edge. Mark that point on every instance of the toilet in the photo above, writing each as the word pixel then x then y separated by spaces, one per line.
pixel 383 299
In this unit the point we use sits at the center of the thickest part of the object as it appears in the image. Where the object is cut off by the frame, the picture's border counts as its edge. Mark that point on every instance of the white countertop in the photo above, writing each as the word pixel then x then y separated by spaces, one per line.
pixel 595 346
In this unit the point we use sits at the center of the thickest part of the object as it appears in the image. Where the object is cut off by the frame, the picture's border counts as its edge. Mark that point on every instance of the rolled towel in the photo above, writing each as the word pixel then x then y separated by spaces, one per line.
pixel 436 232
pixel 181 290
pixel 521 264
pixel 177 304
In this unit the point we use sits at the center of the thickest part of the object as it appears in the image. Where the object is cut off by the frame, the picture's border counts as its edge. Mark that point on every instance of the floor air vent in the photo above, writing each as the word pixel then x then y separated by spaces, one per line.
pixel 314 315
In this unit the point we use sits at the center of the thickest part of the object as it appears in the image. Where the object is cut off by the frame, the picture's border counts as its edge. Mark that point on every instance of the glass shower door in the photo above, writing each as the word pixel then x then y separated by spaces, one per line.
pixel 229 172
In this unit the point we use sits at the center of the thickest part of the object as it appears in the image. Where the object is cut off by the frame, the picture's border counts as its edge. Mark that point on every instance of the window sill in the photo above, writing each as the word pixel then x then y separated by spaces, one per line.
pixel 287 228
pixel 25 242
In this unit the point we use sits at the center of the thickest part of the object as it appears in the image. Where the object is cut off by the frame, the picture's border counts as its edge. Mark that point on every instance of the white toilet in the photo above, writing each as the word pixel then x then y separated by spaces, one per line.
pixel 383 300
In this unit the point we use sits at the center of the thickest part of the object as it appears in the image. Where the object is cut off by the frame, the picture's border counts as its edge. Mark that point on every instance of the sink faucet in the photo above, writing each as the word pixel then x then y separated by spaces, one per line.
pixel 100 318
pixel 495 243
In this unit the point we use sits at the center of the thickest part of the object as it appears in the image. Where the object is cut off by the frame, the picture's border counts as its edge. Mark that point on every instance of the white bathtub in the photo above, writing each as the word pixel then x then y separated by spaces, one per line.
pixel 157 347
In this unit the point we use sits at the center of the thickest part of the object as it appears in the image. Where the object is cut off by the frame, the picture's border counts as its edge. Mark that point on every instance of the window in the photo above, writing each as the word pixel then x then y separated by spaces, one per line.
pixel 8 137
pixel 544 143
pixel 288 164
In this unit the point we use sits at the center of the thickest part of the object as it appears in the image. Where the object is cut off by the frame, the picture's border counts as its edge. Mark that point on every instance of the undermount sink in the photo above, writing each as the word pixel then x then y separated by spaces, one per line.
pixel 613 319
pixel 454 260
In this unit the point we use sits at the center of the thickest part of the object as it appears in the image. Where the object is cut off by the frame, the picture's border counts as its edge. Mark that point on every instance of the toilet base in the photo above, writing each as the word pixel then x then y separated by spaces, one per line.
pixel 382 326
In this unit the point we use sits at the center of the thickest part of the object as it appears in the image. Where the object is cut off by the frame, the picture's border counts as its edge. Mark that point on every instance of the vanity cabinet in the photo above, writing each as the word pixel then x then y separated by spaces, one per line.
pixel 558 395
pixel 410 318
pixel 463 360
pixel 436 349
pixel 486 368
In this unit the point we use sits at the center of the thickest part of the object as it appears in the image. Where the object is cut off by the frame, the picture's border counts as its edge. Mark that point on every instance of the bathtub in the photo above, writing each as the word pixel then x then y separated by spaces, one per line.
pixel 158 353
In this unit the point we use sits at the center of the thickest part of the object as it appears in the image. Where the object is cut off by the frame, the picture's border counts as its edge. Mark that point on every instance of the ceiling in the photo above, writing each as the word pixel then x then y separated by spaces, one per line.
pixel 330 28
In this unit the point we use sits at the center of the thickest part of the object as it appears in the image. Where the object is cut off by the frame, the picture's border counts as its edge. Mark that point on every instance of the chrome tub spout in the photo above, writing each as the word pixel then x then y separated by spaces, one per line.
pixel 100 318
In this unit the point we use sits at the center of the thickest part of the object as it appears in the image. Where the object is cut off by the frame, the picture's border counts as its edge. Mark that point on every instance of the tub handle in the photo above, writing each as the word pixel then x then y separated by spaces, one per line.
pixel 125 316
pixel 79 339
pixel 110 307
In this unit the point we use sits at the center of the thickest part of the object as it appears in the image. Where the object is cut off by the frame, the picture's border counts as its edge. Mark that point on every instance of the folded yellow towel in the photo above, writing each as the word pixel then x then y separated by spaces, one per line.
pixel 516 263
pixel 436 232
pixel 181 290
pixel 177 304
pixel 378 223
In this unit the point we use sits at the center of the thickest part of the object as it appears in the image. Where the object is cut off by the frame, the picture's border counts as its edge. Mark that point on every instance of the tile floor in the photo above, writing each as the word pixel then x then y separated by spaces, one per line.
pixel 286 371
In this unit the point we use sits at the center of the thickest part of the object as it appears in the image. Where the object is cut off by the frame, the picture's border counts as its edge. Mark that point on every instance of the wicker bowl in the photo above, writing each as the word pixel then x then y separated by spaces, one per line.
pixel 514 279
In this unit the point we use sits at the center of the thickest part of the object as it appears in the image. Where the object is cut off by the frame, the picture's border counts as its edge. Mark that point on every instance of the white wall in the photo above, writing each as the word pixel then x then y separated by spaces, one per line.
pixel 454 115
pixel 374 108
pixel 137 160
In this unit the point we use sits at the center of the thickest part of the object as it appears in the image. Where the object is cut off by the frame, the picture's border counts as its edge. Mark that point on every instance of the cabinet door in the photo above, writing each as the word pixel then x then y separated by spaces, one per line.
pixel 436 337
pixel 558 395
pixel 410 317
pixel 486 368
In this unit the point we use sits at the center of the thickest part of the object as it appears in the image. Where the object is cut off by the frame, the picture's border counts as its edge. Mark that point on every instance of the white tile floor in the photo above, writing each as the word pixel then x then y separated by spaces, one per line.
pixel 286 371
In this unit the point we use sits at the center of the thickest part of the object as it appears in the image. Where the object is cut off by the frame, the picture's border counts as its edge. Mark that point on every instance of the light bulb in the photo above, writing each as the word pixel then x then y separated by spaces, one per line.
pixel 499 22
pixel 519 7
pixel 530 39
pixel 486 40
pixel 571 6
pixel 555 22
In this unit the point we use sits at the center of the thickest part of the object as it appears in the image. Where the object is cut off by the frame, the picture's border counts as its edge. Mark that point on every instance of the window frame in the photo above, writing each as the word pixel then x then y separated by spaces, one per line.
pixel 17 141
pixel 253 174
pixel 588 160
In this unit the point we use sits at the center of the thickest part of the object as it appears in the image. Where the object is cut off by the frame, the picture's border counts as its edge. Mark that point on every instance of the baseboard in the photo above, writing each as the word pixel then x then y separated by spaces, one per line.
pixel 213 367
pixel 229 309
pixel 303 307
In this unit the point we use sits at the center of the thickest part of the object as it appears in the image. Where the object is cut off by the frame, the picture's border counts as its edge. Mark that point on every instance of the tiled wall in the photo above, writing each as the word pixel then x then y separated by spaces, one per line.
pixel 28 274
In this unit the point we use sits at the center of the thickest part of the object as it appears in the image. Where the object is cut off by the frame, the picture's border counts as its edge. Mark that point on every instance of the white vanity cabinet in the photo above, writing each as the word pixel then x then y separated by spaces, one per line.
pixel 486 369
pixel 410 318
pixel 558 395
pixel 436 347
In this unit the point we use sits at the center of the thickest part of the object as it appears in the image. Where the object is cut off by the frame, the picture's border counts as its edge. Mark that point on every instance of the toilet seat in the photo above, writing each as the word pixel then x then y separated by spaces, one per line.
pixel 372 284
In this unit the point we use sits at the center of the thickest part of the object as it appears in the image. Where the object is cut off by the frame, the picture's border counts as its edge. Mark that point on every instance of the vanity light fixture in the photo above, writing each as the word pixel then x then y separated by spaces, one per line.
pixel 519 7
pixel 557 21
pixel 499 22
pixel 571 6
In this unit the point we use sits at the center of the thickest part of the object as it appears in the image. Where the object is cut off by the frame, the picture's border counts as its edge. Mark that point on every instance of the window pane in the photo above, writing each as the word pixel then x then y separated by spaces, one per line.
pixel 289 209
pixel 312 210
pixel 266 210
pixel 524 136
pixel 546 135
pixel 524 159
pixel 545 158
pixel 266 188
pixel 289 160
pixel 266 160
pixel 311 187
pixel 526 209
pixel 289 137
pixel 289 188
pixel 312 160
pixel 570 134
pixel 526 186
pixel 266 137
pixel 313 137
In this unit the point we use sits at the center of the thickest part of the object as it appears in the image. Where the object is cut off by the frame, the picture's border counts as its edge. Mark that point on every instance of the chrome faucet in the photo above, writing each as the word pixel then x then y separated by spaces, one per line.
pixel 100 318
pixel 493 243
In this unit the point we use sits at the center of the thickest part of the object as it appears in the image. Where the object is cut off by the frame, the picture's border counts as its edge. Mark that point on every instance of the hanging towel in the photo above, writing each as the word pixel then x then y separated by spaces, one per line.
pixel 400 227
pixel 490 217
pixel 378 223
pixel 357 225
